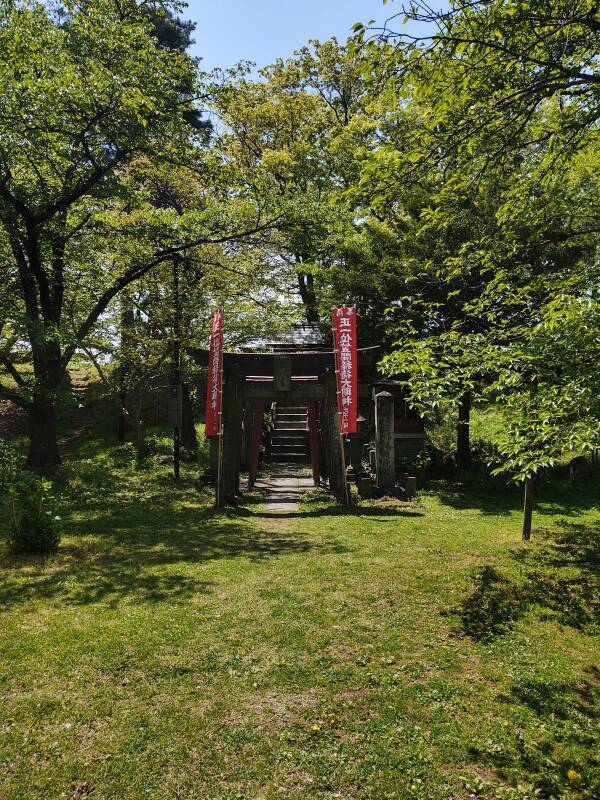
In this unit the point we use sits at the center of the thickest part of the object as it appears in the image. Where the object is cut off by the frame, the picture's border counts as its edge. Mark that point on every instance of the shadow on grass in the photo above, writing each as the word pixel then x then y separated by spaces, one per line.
pixel 556 495
pixel 337 511
pixel 545 696
pixel 562 758
pixel 130 551
pixel 561 578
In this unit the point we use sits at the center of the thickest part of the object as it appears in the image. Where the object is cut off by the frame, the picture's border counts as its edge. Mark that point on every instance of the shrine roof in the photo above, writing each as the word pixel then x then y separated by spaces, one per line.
pixel 297 338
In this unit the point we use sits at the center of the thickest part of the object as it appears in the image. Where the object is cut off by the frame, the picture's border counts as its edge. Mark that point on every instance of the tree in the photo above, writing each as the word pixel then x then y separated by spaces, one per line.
pixel 498 76
pixel 80 98
pixel 295 137
pixel 505 96
pixel 85 93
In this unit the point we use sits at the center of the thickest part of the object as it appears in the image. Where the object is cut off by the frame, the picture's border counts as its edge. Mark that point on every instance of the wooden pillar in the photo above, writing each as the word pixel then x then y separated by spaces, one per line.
pixel 337 475
pixel 249 411
pixel 323 438
pixel 355 450
pixel 313 427
pixel 214 453
pixel 233 407
pixel 384 440
pixel 257 423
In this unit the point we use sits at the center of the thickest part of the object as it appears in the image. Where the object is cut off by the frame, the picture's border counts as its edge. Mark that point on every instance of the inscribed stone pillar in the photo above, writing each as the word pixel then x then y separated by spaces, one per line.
pixel 384 440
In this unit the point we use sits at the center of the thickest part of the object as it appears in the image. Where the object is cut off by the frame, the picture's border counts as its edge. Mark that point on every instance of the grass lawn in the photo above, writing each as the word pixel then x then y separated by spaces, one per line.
pixel 401 651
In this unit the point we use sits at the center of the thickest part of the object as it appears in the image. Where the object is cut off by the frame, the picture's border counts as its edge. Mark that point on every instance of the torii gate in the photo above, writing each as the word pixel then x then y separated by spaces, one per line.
pixel 253 381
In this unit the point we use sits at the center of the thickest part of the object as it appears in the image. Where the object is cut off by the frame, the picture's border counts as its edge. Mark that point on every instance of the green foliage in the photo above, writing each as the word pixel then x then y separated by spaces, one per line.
pixel 497 78
pixel 34 530
pixel 495 171
pixel 8 464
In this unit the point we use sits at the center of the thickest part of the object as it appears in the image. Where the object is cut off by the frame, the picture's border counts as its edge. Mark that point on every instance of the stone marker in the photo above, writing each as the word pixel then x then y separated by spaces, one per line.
pixel 384 439
pixel 579 468
pixel 373 460
pixel 365 487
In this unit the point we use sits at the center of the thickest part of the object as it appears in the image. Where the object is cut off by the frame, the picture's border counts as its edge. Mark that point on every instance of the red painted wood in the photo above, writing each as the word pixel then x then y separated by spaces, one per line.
pixel 314 440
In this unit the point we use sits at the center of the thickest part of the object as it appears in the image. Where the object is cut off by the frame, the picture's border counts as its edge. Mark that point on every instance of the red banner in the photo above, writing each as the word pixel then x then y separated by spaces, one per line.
pixel 214 391
pixel 346 363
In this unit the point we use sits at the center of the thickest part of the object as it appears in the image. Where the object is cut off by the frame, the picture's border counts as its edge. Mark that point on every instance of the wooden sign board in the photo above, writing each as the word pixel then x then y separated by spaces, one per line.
pixel 282 373
pixel 175 407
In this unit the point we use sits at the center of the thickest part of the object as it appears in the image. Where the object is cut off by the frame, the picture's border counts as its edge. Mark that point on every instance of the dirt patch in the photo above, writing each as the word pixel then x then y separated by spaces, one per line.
pixel 272 709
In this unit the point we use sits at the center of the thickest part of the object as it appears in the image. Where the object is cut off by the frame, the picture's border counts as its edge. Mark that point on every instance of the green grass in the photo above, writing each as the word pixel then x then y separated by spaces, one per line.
pixel 401 651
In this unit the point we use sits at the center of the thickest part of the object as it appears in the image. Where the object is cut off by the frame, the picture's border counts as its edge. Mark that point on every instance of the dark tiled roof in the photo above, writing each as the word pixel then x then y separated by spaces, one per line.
pixel 298 337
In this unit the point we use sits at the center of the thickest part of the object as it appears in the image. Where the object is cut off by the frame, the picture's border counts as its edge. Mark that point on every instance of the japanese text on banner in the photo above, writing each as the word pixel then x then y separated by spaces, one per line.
pixel 344 330
pixel 214 390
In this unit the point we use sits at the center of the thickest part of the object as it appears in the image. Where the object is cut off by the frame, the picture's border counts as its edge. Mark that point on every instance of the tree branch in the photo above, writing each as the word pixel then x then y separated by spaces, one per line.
pixel 135 273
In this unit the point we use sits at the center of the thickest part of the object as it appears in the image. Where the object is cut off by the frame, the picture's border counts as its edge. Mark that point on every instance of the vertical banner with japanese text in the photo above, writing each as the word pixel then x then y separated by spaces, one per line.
pixel 344 337
pixel 214 390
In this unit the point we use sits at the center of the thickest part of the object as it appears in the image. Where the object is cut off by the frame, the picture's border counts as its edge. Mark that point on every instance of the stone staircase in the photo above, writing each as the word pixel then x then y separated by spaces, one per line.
pixel 289 438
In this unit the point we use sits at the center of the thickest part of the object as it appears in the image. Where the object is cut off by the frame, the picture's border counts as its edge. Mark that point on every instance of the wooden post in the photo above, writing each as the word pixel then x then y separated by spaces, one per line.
pixel 249 412
pixel 527 509
pixel 259 410
pixel 232 433
pixel 337 477
pixel 355 450
pixel 176 365
pixel 313 428
pixel 282 373
pixel 323 439
pixel 384 440
pixel 214 454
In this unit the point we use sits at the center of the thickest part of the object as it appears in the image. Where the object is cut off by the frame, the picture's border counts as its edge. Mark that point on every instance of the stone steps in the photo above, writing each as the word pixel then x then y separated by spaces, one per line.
pixel 289 438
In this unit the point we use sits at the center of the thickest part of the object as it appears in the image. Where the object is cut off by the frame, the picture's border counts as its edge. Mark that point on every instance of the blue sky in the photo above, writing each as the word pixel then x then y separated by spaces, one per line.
pixel 228 31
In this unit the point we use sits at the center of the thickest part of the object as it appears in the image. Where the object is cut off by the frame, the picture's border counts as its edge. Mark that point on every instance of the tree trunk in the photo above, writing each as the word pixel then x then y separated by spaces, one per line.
pixel 463 435
pixel 127 320
pixel 527 509
pixel 140 441
pixel 306 286
pixel 189 440
pixel 43 456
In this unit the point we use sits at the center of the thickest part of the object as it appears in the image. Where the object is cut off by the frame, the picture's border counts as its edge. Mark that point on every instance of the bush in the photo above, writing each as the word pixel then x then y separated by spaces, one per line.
pixel 8 464
pixel 157 445
pixel 34 529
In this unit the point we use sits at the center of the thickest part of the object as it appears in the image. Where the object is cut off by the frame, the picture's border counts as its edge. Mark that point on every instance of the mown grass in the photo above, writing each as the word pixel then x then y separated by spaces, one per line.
pixel 399 651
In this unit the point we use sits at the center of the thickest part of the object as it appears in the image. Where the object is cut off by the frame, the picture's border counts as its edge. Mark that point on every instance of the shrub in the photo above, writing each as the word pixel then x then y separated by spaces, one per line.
pixel 34 529
pixel 123 455
pixel 8 464
pixel 157 445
